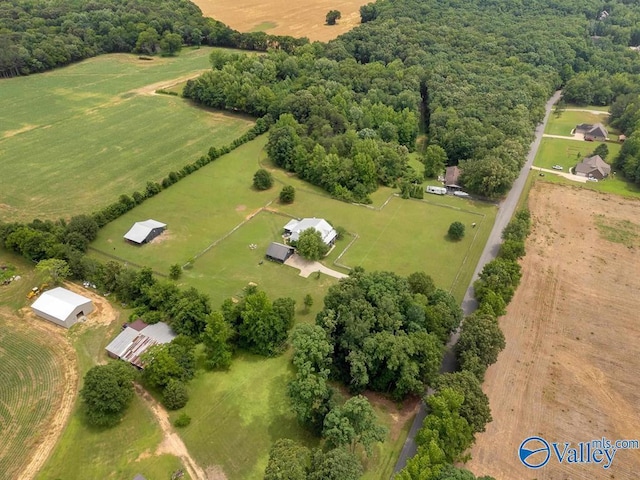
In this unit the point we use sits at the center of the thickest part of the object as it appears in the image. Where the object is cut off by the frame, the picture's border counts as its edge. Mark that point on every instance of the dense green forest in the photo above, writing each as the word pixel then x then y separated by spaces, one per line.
pixel 37 35
pixel 472 75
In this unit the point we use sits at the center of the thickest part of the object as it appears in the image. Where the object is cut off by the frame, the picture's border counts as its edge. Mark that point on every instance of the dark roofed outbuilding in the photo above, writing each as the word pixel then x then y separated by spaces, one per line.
pixel 279 252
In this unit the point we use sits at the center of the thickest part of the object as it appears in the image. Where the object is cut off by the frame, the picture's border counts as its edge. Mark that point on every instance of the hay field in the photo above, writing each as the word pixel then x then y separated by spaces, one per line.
pixel 74 139
pixel 279 17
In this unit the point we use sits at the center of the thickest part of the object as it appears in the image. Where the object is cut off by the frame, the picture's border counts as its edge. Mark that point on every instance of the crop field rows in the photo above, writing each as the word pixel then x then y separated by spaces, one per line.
pixel 29 382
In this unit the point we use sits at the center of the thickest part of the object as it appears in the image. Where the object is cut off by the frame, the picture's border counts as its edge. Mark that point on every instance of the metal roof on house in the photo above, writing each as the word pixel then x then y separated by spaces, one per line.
pixel 131 344
pixel 279 251
pixel 296 227
pixel 141 230
pixel 59 302
pixel 119 344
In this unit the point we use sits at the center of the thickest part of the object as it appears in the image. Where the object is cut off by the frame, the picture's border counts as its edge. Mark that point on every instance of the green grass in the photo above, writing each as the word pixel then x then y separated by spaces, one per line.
pixel 237 415
pixel 264 26
pixel 568 152
pixel 567 121
pixel 73 139
pixel 618 231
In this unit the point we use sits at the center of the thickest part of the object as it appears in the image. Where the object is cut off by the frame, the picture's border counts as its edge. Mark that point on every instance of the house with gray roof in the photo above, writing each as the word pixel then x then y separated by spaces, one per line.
pixel 135 339
pixel 593 167
pixel 597 132
pixel 62 307
pixel 144 232
pixel 294 228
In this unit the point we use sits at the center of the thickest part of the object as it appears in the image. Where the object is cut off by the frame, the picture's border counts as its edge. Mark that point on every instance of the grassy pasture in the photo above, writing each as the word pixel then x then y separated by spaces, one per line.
pixel 567 121
pixel 73 139
pixel 238 414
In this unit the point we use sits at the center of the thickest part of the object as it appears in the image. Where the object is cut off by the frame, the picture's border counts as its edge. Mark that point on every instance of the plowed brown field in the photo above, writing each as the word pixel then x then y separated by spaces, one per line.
pixel 280 17
pixel 569 372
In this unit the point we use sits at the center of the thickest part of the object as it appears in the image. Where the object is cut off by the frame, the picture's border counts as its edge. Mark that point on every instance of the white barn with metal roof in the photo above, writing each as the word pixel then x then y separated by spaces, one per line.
pixel 143 232
pixel 62 307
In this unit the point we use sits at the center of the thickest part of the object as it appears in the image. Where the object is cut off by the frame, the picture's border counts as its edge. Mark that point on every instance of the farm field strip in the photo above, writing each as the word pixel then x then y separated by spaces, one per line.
pixel 80 143
pixel 31 383
pixel 278 17
pixel 567 373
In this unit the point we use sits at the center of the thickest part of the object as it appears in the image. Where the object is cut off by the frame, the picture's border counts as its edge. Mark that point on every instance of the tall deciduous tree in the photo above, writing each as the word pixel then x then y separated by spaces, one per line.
pixel 288 460
pixel 56 270
pixel 336 464
pixel 311 246
pixel 434 161
pixel 106 393
pixel 216 338
pixel 333 16
pixel 352 424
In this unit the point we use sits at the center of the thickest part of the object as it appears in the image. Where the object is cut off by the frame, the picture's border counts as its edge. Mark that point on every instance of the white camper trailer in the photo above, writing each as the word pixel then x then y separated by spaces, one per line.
pixel 436 190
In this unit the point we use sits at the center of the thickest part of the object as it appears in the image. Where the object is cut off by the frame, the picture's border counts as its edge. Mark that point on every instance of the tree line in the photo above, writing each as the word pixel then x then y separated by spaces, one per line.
pixel 474 77
pixel 459 409
pixel 40 35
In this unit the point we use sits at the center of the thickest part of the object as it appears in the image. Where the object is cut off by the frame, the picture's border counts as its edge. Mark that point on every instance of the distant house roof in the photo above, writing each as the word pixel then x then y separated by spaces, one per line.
pixel 595 130
pixel 131 344
pixel 278 251
pixel 296 227
pixel 59 303
pixel 593 164
pixel 452 176
pixel 598 130
pixel 141 230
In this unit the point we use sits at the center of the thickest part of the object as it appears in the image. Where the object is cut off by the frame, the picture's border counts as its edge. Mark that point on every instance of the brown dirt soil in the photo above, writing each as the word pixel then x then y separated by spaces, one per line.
pixel 173 444
pixel 51 429
pixel 297 18
pixel 569 370
pixel 399 413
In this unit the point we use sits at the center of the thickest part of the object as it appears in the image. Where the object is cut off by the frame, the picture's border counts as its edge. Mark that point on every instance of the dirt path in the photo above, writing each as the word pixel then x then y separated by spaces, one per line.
pixel 569 176
pixel 151 89
pixel 595 112
pixel 171 442
pixel 578 137
pixel 307 267
pixel 61 346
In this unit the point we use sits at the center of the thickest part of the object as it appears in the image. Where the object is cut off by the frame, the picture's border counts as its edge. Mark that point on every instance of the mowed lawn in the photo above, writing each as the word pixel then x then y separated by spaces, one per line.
pixel 74 139
pixel 569 152
pixel 568 119
pixel 238 414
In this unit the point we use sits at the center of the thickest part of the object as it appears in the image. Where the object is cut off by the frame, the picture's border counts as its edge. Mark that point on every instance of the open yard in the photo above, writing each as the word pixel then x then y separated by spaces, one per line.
pixel 567 121
pixel 74 139
pixel 279 17
pixel 569 370
pixel 199 215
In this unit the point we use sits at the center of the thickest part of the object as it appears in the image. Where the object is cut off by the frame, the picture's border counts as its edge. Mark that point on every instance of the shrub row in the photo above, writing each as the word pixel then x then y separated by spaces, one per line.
pixel 126 202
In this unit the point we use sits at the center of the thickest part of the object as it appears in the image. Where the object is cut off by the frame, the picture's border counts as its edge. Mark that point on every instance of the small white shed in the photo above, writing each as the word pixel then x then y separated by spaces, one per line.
pixel 62 307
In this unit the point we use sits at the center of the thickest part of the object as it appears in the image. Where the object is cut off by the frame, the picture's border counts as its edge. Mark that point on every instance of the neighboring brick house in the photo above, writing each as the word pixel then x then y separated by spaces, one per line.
pixel 593 167
pixel 596 133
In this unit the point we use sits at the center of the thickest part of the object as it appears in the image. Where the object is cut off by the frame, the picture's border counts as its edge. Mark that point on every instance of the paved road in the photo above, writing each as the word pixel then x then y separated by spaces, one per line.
pixel 469 303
